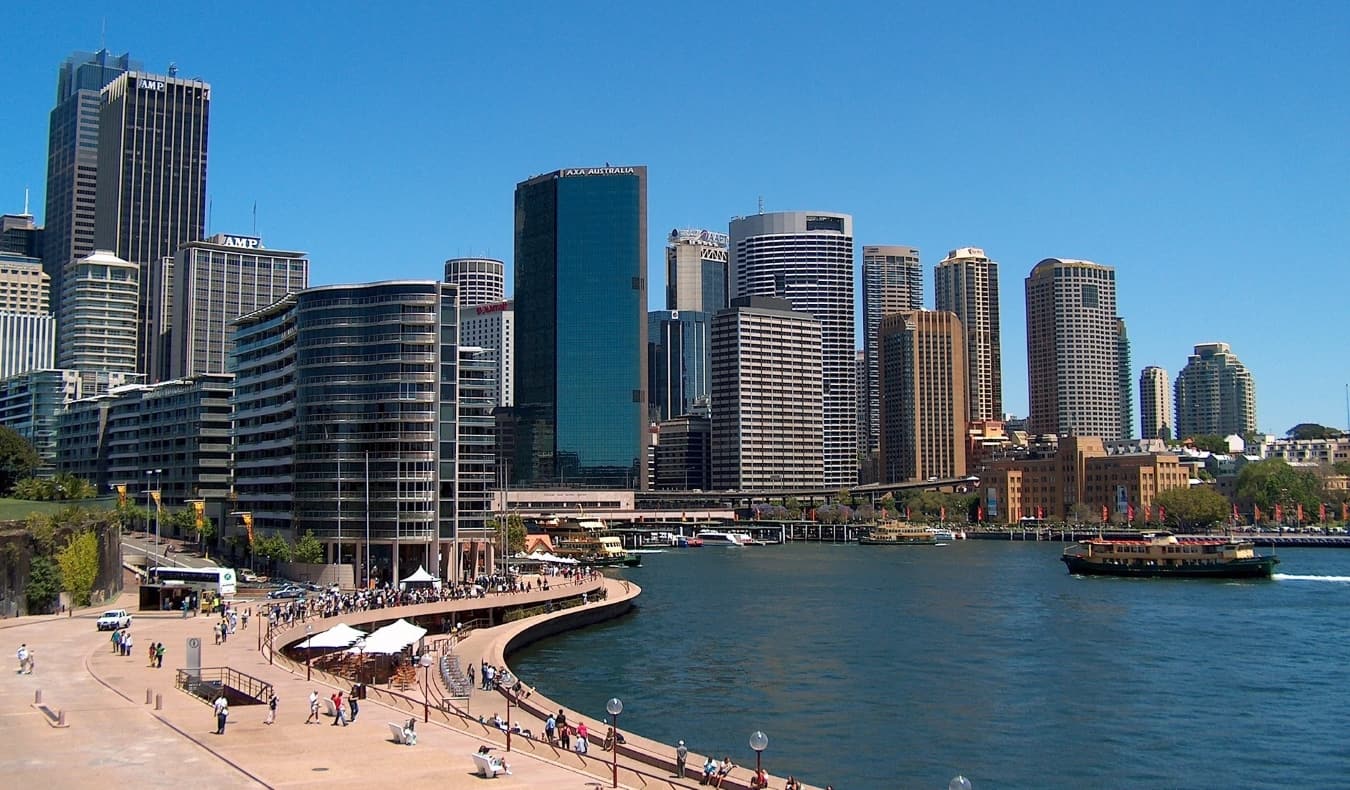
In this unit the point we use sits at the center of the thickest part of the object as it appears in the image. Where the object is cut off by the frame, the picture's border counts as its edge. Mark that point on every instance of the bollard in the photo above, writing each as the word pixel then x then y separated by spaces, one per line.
pixel 159 702
pixel 61 718
pixel 149 695
pixel 37 697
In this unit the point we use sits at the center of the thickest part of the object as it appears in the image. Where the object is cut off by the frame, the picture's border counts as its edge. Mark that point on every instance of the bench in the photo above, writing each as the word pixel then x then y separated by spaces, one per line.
pixel 487 765
pixel 396 730
pixel 328 706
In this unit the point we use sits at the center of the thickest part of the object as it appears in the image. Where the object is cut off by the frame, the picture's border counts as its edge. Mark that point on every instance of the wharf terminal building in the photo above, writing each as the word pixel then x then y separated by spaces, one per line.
pixel 358 416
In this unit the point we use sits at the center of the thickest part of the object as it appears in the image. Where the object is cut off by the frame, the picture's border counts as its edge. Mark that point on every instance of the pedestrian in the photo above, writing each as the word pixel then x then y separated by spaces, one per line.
pixel 159 656
pixel 681 757
pixel 339 713
pixel 152 656
pixel 126 644
pixel 313 708
pixel 271 710
pixel 551 728
pixel 583 738
pixel 564 735
pixel 222 709
pixel 351 701
pixel 23 657
pixel 470 673
pixel 117 640
pixel 215 631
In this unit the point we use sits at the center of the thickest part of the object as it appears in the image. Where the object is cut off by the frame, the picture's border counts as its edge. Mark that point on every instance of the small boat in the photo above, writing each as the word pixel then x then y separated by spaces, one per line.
pixel 943 534
pixel 898 533
pixel 1163 554
pixel 685 542
pixel 712 537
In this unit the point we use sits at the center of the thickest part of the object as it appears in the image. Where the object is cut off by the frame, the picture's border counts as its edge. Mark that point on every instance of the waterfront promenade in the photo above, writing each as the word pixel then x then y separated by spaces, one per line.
pixel 113 735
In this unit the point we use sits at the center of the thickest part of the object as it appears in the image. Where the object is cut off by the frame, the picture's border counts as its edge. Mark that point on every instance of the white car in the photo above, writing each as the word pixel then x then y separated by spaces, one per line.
pixel 114 619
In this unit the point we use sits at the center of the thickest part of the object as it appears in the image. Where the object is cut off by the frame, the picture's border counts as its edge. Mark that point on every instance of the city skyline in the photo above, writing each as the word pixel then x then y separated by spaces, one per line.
pixel 1158 170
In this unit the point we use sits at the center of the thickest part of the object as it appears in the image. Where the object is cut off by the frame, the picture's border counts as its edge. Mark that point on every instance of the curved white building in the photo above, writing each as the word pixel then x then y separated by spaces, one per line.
pixel 101 316
pixel 480 280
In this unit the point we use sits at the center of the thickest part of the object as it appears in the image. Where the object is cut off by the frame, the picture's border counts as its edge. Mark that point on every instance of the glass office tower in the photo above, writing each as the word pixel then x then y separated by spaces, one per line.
pixel 581 326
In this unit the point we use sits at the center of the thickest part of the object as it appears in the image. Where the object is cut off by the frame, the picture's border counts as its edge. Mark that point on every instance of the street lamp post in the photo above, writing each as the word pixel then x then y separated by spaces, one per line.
pixel 759 742
pixel 426 687
pixel 309 650
pixel 150 497
pixel 615 707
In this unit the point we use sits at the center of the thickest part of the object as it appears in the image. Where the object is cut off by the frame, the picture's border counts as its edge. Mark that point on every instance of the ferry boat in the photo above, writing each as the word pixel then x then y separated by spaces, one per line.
pixel 1163 554
pixel 943 534
pixel 596 551
pixel 898 533
pixel 712 537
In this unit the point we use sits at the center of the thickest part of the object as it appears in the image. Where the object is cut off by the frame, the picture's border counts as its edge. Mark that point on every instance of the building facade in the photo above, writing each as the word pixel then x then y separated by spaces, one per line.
pixel 214 282
pixel 696 271
pixel 27 329
pixel 493 327
pixel 683 454
pixel 966 283
pixel 581 328
pixel 677 365
pixel 1073 350
pixel 767 411
pixel 1124 380
pixel 347 403
pixel 922 393
pixel 31 404
pixel 1155 404
pixel 72 160
pixel 807 259
pixel 892 282
pixel 19 236
pixel 100 322
pixel 151 196
pixel 481 280
pixel 1215 394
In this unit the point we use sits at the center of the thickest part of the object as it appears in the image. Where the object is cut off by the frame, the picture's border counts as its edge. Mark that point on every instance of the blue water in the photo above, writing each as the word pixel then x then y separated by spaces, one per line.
pixel 881 667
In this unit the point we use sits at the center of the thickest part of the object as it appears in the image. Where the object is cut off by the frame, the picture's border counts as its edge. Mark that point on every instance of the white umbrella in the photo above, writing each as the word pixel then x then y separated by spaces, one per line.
pixel 390 639
pixel 340 635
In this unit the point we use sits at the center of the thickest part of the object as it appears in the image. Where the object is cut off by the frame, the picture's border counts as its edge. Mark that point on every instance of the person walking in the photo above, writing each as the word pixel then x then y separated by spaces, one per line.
pixel 159 656
pixel 681 757
pixel 222 709
pixel 25 660
pixel 313 708
pixel 339 713
pixel 271 710
pixel 117 641
pixel 126 644
pixel 152 656
pixel 351 702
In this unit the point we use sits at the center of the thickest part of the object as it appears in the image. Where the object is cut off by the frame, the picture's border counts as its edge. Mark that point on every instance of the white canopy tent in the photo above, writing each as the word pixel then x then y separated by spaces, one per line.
pixel 420 576
pixel 393 638
pixel 340 635
pixel 543 556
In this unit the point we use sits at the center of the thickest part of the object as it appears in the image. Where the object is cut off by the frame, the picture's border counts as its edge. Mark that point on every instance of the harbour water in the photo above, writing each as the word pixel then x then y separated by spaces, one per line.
pixel 901 667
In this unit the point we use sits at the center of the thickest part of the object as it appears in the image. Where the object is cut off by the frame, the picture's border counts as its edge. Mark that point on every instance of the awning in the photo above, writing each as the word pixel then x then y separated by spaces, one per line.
pixel 420 576
pixel 543 556
pixel 340 635
pixel 393 638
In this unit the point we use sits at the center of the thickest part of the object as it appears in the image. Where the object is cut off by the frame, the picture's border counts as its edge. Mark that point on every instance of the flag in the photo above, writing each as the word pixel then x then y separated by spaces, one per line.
pixel 121 494
pixel 1300 512
pixel 1235 513
pixel 1162 513
pixel 1256 514
pixel 1129 513
pixel 906 512
pixel 199 508
pixel 1345 511
pixel 942 513
pixel 979 513
pixel 1279 513
pixel 155 496
pixel 1104 514
pixel 1040 513
pixel 248 525
pixel 1148 513
pixel 1322 511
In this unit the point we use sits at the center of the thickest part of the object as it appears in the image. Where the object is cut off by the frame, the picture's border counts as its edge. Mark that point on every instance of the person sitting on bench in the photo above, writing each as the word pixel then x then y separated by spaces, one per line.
pixel 410 733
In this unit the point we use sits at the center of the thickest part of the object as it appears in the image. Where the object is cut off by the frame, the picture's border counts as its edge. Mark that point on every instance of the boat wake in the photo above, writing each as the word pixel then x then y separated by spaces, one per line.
pixel 1294 577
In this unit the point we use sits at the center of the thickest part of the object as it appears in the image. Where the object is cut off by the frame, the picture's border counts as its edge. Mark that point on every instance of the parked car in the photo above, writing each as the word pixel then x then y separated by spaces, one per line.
pixel 114 619
pixel 290 591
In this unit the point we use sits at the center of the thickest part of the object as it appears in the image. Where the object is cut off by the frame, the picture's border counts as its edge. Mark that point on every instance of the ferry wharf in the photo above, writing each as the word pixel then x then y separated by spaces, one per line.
pixel 127 723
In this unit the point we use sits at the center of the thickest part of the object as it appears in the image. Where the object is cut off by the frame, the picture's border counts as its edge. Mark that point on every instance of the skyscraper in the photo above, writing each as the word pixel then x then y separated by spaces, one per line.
pixel 696 271
pixel 101 315
pixel 152 183
pixel 1215 394
pixel 767 426
pixel 27 329
pixel 19 236
pixel 922 356
pixel 1155 404
pixel 214 282
pixel 1073 350
pixel 892 281
pixel 967 285
pixel 807 259
pixel 581 328
pixel 1124 380
pixel 72 160
pixel 679 357
pixel 480 280
pixel 493 327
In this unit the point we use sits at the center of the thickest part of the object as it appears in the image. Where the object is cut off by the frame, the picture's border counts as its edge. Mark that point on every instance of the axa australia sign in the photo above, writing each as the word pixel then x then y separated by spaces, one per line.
pixel 598 171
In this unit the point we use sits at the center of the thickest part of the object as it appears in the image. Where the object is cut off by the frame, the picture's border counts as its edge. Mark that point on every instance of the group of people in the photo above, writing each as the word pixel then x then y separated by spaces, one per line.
pixel 122 641
pixel 157 655
pixel 25 660
pixel 714 772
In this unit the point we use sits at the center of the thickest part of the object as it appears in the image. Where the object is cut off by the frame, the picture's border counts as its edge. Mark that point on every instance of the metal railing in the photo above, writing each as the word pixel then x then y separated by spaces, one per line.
pixel 206 683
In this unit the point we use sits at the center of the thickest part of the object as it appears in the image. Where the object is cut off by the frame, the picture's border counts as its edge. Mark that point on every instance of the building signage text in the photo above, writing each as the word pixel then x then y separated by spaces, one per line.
pixel 242 242
pixel 599 171
pixel 150 85
pixel 500 307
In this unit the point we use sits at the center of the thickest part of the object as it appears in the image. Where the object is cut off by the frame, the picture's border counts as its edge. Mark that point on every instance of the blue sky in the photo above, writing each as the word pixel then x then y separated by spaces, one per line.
pixel 1201 148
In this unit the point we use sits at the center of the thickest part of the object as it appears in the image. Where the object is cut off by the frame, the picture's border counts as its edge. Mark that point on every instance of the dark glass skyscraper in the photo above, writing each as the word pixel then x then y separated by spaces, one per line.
pixel 581 328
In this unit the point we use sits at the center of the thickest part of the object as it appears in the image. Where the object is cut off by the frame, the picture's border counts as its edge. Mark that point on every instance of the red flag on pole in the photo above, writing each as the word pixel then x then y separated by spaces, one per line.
pixel 1345 511
pixel 1104 514
pixel 1256 514
pixel 1235 513
pixel 1162 513
pixel 1279 513
pixel 942 513
pixel 1300 512
pixel 1130 514
pixel 1040 513
pixel 979 513
pixel 906 512
pixel 1322 511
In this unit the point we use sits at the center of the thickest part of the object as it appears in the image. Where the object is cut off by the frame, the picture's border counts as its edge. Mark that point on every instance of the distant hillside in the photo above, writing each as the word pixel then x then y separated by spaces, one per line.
pixel 21 509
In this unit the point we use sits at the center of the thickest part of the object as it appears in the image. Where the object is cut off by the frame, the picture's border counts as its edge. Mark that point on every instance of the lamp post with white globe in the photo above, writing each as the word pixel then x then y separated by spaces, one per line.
pixel 759 742
pixel 959 782
pixel 426 662
pixel 615 707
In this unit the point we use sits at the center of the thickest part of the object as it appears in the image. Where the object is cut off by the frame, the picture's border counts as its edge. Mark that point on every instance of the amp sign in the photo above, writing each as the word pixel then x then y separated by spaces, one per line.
pixel 240 242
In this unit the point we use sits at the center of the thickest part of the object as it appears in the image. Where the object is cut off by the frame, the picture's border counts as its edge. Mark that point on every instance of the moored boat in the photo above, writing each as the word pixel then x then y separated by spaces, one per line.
pixel 597 551
pixel 713 537
pixel 898 533
pixel 1163 554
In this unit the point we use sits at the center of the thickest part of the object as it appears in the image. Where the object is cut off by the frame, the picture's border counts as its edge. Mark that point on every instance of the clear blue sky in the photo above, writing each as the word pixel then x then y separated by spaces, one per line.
pixel 1201 148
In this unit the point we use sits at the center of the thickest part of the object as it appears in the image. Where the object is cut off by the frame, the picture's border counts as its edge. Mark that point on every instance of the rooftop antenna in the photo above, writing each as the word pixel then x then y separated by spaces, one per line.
pixel 761 204
pixel 173 69
pixel 25 201
pixel 255 218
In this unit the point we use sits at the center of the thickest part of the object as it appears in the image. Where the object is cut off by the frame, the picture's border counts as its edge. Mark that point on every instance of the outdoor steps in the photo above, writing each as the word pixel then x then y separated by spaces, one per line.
pixel 453 677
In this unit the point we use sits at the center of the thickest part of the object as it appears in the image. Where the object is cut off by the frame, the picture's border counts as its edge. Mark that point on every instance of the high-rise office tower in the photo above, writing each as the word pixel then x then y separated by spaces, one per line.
pixel 480 280
pixel 1124 380
pixel 101 320
pixel 679 356
pixel 72 160
pixel 923 395
pixel 27 329
pixel 892 281
pixel 767 426
pixel 967 285
pixel 1073 349
pixel 696 271
pixel 807 259
pixel 493 327
pixel 216 281
pixel 581 328
pixel 19 236
pixel 1215 394
pixel 1155 404
pixel 152 183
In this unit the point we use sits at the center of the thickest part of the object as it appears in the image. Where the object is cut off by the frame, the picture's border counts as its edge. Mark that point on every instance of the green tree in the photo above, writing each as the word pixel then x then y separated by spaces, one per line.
pixel 79 566
pixel 1311 430
pixel 1341 467
pixel 18 459
pixel 1193 506
pixel 272 548
pixel 308 548
pixel 1210 442
pixel 44 584
pixel 1273 481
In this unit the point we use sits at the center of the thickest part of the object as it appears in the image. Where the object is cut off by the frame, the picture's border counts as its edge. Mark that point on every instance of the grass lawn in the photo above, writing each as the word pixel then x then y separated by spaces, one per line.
pixel 20 509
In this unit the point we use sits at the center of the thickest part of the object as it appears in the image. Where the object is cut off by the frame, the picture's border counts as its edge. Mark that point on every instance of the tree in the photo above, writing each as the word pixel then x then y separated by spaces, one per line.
pixel 79 566
pixel 1273 481
pixel 18 459
pixel 308 548
pixel 1209 442
pixel 515 533
pixel 60 488
pixel 44 584
pixel 1193 506
pixel 272 548
pixel 1311 430
pixel 1341 467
